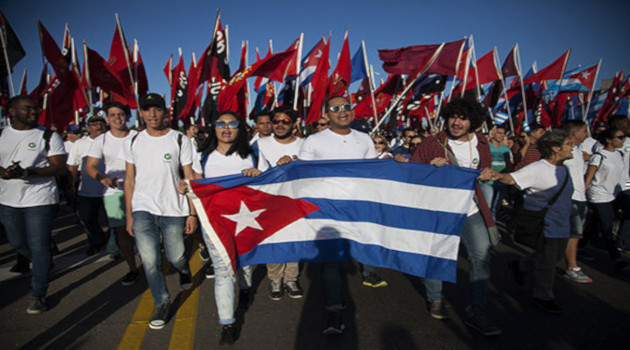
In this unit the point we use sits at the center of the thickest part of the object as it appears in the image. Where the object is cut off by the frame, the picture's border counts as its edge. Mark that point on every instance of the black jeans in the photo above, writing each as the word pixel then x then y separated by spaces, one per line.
pixel 88 208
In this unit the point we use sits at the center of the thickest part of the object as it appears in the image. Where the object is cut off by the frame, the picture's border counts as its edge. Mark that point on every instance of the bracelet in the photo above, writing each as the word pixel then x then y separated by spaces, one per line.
pixel 194 216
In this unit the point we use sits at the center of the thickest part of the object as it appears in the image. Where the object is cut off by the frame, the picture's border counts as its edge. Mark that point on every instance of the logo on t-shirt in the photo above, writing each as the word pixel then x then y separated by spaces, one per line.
pixel 167 157
pixel 475 161
pixel 31 146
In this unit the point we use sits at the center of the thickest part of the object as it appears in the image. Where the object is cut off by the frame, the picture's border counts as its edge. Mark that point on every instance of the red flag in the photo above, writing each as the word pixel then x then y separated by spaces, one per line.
pixel 66 46
pixel 339 80
pixel 14 50
pixel 119 60
pixel 292 70
pixel 408 60
pixel 213 62
pixel 553 71
pixel 168 70
pixel 51 52
pixel 265 67
pixel 612 98
pixel 464 60
pixel 100 74
pixel 510 68
pixel 140 73
pixel 382 97
pixel 36 94
pixel 318 83
pixel 179 90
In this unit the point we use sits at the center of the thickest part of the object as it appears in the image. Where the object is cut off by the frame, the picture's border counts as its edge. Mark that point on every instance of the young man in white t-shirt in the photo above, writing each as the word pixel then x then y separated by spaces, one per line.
pixel 339 141
pixel 153 160
pixel 105 150
pixel 263 126
pixel 30 158
pixel 90 196
pixel 270 150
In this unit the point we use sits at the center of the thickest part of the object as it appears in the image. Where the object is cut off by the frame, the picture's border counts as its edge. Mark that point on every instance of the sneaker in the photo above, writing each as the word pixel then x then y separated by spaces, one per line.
pixel 114 256
pixel 548 305
pixel 293 289
pixel 482 325
pixel 203 253
pixel 275 290
pixel 228 335
pixel 209 270
pixel 244 298
pixel 439 309
pixel 22 265
pixel 335 323
pixel 517 274
pixel 37 306
pixel 373 280
pixel 622 265
pixel 185 281
pixel 130 278
pixel 160 316
pixel 584 255
pixel 576 274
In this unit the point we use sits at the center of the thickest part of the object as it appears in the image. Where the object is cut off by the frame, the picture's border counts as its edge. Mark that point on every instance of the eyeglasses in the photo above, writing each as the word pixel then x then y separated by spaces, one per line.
pixel 379 142
pixel 337 108
pixel 322 124
pixel 620 137
pixel 282 121
pixel 414 144
pixel 220 124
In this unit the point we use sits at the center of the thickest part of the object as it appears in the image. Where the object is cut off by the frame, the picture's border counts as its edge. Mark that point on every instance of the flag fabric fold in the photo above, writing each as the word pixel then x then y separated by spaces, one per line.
pixel 378 212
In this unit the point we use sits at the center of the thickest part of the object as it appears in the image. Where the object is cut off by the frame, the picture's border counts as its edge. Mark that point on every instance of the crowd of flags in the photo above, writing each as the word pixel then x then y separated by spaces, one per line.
pixel 421 79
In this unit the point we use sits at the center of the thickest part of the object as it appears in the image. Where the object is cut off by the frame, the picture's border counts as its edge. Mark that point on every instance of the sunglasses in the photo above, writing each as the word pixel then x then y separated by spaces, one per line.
pixel 337 108
pixel 322 124
pixel 220 124
pixel 379 142
pixel 620 137
pixel 282 121
pixel 414 144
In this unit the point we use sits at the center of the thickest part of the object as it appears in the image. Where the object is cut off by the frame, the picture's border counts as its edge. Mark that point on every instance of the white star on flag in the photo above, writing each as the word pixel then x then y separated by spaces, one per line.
pixel 245 218
pixel 585 75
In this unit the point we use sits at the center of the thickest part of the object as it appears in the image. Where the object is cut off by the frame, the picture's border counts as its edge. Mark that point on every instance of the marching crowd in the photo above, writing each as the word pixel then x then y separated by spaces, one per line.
pixel 576 185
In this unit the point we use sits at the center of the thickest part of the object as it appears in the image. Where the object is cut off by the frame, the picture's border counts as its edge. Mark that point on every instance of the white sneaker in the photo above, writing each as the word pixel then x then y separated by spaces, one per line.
pixel 577 275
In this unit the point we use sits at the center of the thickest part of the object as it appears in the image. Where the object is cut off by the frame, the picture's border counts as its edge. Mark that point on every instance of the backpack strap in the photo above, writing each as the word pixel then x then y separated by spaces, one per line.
pixel 47 135
pixel 133 139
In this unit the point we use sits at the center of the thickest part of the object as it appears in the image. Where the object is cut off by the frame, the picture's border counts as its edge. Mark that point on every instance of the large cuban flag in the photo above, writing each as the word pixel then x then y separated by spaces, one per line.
pixel 407 217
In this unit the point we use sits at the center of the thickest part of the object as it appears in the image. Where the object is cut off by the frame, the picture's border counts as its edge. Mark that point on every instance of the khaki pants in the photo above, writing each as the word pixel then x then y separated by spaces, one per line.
pixel 287 272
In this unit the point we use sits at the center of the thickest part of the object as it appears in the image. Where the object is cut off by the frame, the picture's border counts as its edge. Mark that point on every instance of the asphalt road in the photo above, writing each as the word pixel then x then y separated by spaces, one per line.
pixel 89 309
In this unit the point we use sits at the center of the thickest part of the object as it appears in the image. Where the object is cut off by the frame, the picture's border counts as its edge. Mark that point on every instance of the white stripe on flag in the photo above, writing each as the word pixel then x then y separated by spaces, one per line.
pixel 389 192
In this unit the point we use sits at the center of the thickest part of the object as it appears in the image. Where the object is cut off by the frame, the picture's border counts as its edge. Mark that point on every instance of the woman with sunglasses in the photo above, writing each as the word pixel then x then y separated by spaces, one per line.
pixel 382 147
pixel 226 152
pixel 603 177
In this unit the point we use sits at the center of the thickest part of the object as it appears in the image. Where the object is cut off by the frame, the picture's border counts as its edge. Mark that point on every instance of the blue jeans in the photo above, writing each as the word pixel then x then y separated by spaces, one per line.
pixel 146 228
pixel 224 284
pixel 577 218
pixel 500 191
pixel 88 209
pixel 29 231
pixel 477 244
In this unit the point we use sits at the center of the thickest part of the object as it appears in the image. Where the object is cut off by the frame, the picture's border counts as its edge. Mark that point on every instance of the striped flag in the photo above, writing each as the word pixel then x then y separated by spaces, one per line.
pixel 499 118
pixel 406 217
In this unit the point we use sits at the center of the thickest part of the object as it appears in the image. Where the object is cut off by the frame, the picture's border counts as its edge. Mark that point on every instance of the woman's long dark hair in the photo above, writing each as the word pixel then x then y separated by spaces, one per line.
pixel 240 145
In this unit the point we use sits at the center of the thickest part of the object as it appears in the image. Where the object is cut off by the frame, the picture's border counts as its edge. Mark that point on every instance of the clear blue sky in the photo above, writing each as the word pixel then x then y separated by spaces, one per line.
pixel 543 29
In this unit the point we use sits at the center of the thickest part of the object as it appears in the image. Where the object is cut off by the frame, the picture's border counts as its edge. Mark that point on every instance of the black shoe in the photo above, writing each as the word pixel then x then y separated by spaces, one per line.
pixel 335 323
pixel 185 281
pixel 228 335
pixel 373 280
pixel 37 306
pixel 482 325
pixel 439 309
pixel 244 298
pixel 548 305
pixel 93 250
pixel 130 278
pixel 203 253
pixel 275 290
pixel 209 270
pixel 160 316
pixel 293 289
pixel 517 274
pixel 22 265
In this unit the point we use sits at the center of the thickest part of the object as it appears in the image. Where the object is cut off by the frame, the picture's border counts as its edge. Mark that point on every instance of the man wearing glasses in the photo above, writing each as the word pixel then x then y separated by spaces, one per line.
pixel 322 124
pixel 153 160
pixel 339 141
pixel 405 148
pixel 271 149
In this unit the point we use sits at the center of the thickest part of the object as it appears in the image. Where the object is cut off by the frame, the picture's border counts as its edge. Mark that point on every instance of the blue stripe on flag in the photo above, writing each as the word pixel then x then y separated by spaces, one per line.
pixel 447 176
pixel 342 249
pixel 388 215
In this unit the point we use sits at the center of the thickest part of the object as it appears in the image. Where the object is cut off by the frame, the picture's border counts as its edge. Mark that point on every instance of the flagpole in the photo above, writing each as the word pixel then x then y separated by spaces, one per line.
pixel 136 50
pixel 86 67
pixel 23 82
pixel 296 91
pixel 465 80
pixel 520 77
pixel 369 71
pixel 409 84
pixel 3 34
pixel 474 54
pixel 590 95
pixel 75 67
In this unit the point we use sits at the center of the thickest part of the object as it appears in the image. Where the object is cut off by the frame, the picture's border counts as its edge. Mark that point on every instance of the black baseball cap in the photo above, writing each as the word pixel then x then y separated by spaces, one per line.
pixel 152 100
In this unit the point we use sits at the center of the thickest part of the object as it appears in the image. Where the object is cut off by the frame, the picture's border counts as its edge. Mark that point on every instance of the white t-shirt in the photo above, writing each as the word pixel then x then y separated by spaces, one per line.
pixel 29 148
pixel 588 144
pixel 157 161
pixel 607 178
pixel 107 147
pixel 467 156
pixel 625 179
pixel 576 168
pixel 218 164
pixel 78 157
pixel 541 181
pixel 67 145
pixel 327 144
pixel 270 151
